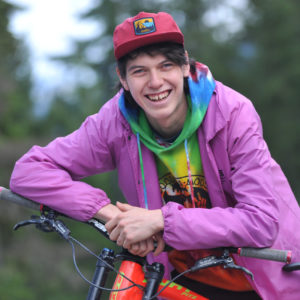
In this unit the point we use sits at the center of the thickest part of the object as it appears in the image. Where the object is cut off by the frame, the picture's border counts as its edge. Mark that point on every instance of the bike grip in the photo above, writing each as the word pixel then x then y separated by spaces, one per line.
pixel 266 253
pixel 9 196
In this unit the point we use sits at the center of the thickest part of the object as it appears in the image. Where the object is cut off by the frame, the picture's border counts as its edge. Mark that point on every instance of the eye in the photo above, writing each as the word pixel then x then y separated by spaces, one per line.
pixel 137 71
pixel 167 65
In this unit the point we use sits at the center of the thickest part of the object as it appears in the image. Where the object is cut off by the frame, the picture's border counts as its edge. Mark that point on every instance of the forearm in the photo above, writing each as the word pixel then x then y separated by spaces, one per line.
pixel 37 177
pixel 51 175
pixel 197 228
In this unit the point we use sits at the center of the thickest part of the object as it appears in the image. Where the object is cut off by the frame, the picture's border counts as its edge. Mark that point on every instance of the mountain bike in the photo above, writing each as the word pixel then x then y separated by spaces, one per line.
pixel 136 279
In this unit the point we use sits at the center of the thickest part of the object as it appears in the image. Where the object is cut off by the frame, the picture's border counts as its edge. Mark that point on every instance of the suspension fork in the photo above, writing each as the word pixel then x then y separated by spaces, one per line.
pixel 100 276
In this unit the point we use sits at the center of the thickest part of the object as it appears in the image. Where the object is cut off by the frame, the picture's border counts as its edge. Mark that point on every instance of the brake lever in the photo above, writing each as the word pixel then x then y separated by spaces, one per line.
pixel 207 262
pixel 46 223
pixel 225 260
pixel 232 265
pixel 229 263
pixel 35 220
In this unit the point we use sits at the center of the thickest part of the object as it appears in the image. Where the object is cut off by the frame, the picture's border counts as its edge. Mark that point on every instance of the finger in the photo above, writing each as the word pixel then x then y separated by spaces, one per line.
pixel 138 248
pixel 143 248
pixel 160 245
pixel 134 248
pixel 121 241
pixel 110 225
pixel 146 247
pixel 150 246
pixel 115 234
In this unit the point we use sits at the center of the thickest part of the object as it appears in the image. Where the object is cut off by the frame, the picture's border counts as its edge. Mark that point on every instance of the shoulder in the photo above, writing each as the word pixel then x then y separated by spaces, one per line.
pixel 109 117
pixel 110 110
pixel 230 102
pixel 107 126
pixel 229 108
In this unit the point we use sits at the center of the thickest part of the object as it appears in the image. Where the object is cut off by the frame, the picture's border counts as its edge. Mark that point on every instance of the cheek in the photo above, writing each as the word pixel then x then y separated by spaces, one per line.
pixel 177 79
pixel 179 83
pixel 135 87
pixel 134 91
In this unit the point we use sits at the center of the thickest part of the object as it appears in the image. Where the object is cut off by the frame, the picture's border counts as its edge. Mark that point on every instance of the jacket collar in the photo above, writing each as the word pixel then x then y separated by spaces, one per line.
pixel 120 115
pixel 214 120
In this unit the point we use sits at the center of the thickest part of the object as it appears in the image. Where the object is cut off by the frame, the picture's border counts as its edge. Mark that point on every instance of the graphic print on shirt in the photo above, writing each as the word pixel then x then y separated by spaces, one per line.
pixel 178 190
pixel 174 179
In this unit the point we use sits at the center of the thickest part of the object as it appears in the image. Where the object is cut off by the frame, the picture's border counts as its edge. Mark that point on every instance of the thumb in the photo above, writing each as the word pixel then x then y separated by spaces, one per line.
pixel 123 206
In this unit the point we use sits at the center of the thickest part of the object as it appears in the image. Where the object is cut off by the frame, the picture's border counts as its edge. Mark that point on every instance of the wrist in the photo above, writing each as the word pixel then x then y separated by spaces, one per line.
pixel 158 220
pixel 107 212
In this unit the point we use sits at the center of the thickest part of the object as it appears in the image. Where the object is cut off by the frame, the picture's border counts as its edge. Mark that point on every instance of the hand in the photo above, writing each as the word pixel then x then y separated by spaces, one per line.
pixel 142 248
pixel 147 246
pixel 133 225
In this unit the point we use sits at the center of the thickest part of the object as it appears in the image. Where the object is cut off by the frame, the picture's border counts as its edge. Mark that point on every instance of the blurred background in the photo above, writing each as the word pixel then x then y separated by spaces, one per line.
pixel 57 67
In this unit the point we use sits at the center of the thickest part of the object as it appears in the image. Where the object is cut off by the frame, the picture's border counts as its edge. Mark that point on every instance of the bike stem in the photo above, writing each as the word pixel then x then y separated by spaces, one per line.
pixel 154 275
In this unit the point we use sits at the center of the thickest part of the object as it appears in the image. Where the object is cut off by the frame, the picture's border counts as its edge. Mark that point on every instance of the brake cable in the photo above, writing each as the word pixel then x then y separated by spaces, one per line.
pixel 49 223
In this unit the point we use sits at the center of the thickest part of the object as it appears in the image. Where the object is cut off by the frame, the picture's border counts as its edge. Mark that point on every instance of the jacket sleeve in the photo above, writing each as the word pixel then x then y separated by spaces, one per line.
pixel 253 218
pixel 50 175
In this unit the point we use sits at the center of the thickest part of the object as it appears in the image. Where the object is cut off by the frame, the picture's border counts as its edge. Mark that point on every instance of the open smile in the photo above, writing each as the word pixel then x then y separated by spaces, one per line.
pixel 159 96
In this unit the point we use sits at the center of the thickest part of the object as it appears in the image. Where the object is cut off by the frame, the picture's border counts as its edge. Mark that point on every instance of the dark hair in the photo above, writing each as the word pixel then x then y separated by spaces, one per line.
pixel 172 51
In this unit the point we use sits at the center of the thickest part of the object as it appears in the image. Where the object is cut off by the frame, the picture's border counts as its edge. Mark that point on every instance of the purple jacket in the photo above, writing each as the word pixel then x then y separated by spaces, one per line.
pixel 253 204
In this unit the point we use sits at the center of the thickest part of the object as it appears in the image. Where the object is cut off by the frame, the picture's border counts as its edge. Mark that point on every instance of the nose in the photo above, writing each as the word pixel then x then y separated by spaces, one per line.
pixel 155 79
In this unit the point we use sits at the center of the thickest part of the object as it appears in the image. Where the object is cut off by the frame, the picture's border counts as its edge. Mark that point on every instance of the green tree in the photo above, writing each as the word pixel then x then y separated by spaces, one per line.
pixel 270 78
pixel 16 118
pixel 15 105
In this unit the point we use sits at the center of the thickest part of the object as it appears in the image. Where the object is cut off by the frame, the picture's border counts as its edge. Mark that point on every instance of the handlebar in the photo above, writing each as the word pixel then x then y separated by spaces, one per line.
pixel 261 253
pixel 9 196
pixel 266 253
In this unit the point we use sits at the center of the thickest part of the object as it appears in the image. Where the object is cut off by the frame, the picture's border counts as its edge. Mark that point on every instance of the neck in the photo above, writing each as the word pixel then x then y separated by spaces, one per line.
pixel 171 126
pixel 168 129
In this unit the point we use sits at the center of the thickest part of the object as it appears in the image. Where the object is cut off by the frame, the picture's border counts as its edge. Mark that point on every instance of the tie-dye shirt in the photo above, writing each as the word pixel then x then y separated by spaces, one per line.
pixel 173 176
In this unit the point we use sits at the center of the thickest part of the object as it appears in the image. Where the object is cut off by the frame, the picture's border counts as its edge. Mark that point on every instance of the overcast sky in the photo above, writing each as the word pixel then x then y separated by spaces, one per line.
pixel 47 27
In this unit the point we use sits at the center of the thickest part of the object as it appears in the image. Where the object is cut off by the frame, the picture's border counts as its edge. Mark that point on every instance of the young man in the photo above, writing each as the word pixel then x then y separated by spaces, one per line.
pixel 192 164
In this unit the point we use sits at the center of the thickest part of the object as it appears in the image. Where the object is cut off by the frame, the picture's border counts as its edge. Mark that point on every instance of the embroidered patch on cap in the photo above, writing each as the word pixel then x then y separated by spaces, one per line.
pixel 144 26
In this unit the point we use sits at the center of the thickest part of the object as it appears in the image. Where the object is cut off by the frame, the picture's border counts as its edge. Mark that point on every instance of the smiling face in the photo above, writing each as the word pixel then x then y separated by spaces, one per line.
pixel 157 86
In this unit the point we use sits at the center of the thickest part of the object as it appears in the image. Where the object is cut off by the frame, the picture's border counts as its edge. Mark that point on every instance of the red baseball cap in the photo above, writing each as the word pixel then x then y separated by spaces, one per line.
pixel 144 29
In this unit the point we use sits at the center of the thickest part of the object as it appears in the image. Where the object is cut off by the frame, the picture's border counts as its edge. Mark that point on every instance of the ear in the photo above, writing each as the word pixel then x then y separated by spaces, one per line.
pixel 186 67
pixel 122 80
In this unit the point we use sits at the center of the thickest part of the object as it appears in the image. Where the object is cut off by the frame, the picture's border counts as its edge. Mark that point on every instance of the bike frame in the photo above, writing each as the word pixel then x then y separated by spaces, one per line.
pixel 148 279
pixel 134 271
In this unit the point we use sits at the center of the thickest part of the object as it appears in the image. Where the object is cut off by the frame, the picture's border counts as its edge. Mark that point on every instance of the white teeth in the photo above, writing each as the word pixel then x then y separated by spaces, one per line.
pixel 158 97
